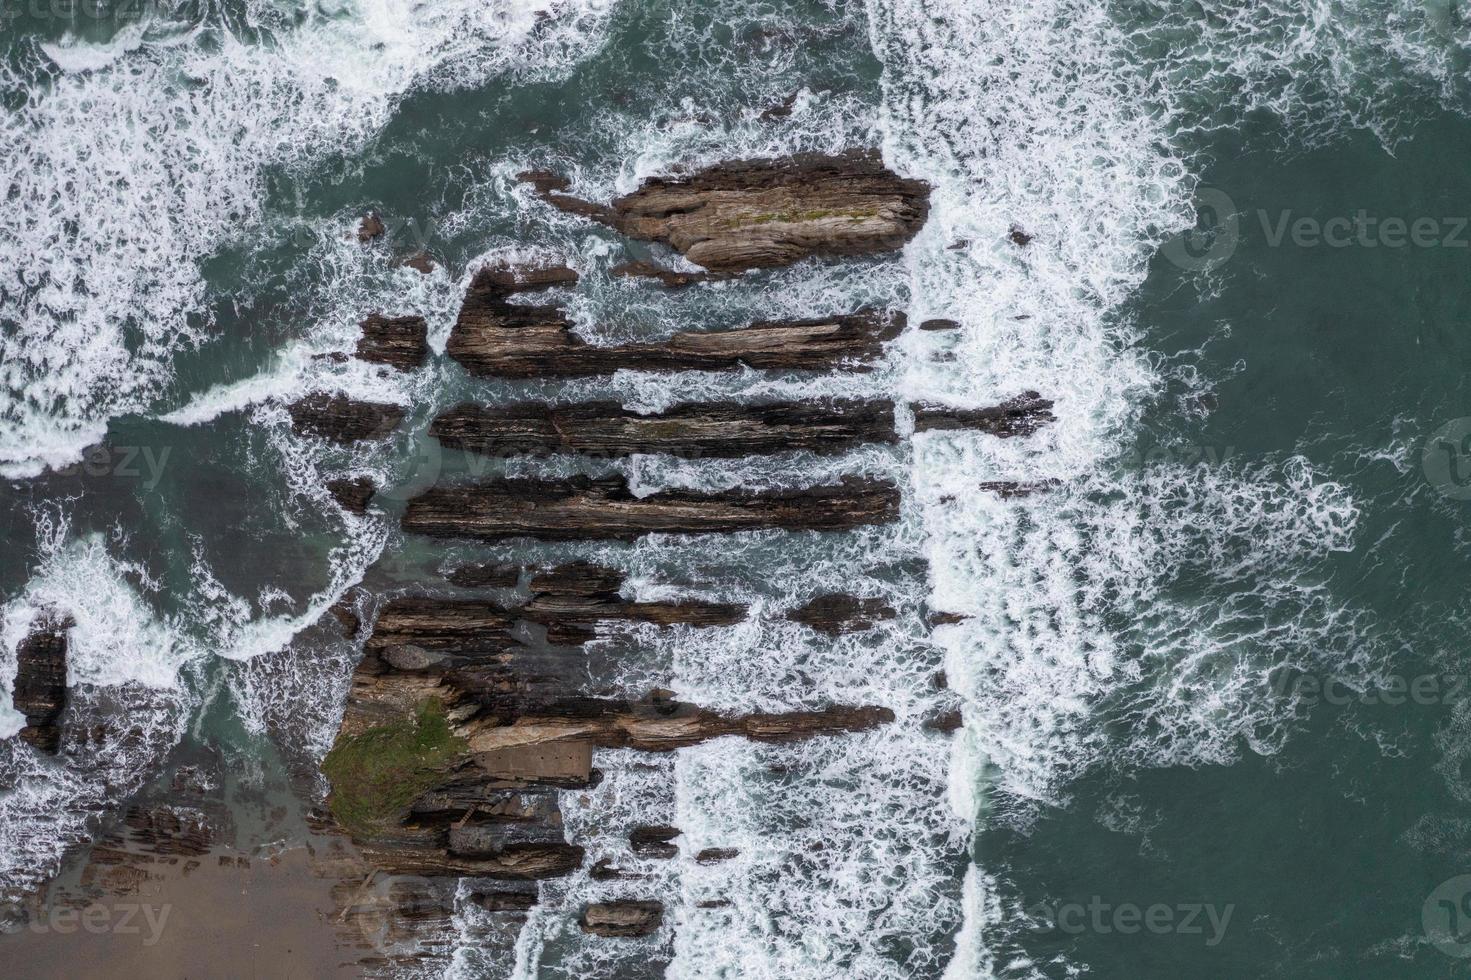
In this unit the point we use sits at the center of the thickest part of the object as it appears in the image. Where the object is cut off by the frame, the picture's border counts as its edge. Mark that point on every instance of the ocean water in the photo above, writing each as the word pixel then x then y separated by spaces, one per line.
pixel 1214 684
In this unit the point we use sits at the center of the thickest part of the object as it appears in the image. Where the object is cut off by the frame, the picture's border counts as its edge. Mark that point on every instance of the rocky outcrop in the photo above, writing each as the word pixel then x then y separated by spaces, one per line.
pixel 648 270
pixel 485 576
pixel 1021 416
pixel 837 613
pixel 604 509
pixel 371 227
pixel 694 430
pixel 456 739
pixel 627 919
pixel 494 337
pixel 399 341
pixel 352 494
pixel 1010 489
pixel 654 842
pixel 342 420
pixel 567 599
pixel 753 214
pixel 39 692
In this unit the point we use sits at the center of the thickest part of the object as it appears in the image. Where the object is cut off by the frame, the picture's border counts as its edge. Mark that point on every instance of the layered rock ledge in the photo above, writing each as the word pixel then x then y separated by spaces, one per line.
pixel 584 509
pixel 1019 416
pixel 752 214
pixel 695 430
pixel 494 337
pixel 341 419
pixel 40 691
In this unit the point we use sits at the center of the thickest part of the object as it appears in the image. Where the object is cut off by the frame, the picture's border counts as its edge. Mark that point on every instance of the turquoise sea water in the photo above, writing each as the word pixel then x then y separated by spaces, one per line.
pixel 1212 685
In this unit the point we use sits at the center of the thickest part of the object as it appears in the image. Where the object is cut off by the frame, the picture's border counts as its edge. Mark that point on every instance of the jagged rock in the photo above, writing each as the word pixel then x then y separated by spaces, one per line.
pixel 584 509
pixel 648 270
pixel 486 576
pixel 503 901
pixel 398 341
pixel 605 870
pixel 371 227
pixel 40 691
pixel 352 495
pixel 343 420
pixel 581 593
pixel 654 842
pixel 945 619
pixel 753 214
pixel 1021 416
pixel 838 613
pixel 494 337
pixel 625 919
pixel 714 855
pixel 939 325
pixel 1019 237
pixel 693 429
pixel 1010 489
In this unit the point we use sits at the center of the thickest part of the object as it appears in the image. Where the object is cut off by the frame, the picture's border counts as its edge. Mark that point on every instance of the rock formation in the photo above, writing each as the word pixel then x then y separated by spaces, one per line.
pixel 604 509
pixel 837 613
pixel 342 420
pixel 400 341
pixel 1020 416
pixel 625 919
pixel 40 682
pixel 697 429
pixel 754 214
pixel 494 337
pixel 352 494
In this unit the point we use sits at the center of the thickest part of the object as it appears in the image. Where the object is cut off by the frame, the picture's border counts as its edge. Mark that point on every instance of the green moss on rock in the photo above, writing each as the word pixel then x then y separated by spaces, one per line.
pixel 377 774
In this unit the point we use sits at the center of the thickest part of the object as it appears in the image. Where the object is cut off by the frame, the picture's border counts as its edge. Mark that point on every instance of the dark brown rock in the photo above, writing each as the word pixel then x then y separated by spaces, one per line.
pixel 938 325
pixel 434 624
pixel 694 430
pixel 654 842
pixel 40 691
pixel 371 227
pixel 1019 237
pixel 581 593
pixel 352 495
pixel 342 420
pixel 754 214
pixel 837 613
pixel 421 262
pixel 398 341
pixel 584 509
pixel 624 919
pixel 1021 416
pixel 946 723
pixel 714 855
pixel 648 270
pixel 494 337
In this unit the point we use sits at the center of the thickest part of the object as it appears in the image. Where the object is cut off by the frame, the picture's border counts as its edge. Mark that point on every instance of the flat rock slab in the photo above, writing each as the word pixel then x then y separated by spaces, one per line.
pixel 604 509
pixel 752 214
pixel 692 430
pixel 1019 416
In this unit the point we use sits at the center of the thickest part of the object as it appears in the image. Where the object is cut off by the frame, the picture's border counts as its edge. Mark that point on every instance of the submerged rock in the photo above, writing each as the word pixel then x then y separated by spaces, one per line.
pixel 752 214
pixel 648 270
pixel 695 429
pixel 838 613
pixel 352 495
pixel 604 509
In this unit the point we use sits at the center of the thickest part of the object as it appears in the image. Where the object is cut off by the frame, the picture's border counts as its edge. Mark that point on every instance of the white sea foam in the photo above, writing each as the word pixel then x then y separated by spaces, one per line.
pixel 131 161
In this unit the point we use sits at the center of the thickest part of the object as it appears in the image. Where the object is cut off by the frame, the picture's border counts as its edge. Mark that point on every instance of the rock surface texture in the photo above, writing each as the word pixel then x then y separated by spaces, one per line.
pixel 40 683
pixel 754 214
